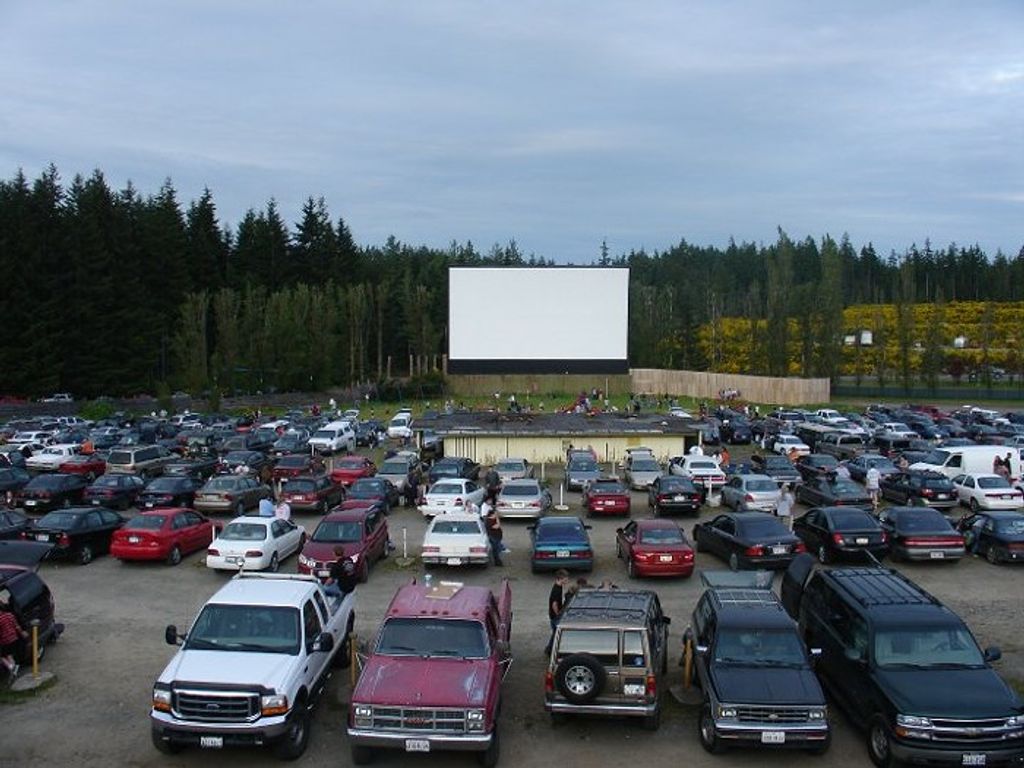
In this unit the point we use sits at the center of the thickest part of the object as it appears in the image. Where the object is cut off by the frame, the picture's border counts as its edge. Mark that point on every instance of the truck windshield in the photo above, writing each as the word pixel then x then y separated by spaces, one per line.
pixel 750 646
pixel 924 647
pixel 257 628
pixel 455 638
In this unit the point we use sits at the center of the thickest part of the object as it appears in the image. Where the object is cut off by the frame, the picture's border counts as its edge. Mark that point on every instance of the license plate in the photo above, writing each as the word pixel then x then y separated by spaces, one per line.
pixel 30 502
pixel 42 537
pixel 562 553
pixel 134 539
pixel 417 745
pixel 454 561
pixel 234 560
pixel 936 555
pixel 773 737
pixel 632 690
pixel 211 742
pixel 517 505
pixel 779 550
pixel 665 558
pixel 323 574
pixel 95 502
pixel 679 498
pixel 860 541
pixel 1007 496
pixel 150 504
pixel 973 759
pixel 942 496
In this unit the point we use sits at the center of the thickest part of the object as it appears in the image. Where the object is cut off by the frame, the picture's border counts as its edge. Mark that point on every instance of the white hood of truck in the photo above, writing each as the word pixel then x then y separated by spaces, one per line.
pixel 212 668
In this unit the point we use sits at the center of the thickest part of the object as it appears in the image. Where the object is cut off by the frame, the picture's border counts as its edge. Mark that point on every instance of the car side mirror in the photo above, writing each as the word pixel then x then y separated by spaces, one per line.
pixel 993 653
pixel 324 643
pixel 171 636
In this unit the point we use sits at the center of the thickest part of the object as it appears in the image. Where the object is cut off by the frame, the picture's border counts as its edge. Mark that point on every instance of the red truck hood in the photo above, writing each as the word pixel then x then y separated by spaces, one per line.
pixel 405 681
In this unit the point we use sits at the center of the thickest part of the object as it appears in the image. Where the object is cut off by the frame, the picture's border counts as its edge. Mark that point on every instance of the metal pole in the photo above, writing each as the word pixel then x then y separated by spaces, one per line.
pixel 35 648
pixel 405 542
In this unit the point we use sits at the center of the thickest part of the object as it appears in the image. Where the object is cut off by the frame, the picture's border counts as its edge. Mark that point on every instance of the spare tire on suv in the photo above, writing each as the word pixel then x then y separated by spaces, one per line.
pixel 580 678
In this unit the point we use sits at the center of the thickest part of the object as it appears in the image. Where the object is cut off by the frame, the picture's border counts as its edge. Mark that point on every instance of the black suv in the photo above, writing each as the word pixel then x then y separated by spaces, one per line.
pixel 27 594
pixel 905 668
pixel 755 673
pixel 609 656
pixel 921 487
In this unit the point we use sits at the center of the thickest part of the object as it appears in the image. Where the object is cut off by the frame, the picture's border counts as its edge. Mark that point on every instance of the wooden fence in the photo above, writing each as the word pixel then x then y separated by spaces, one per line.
pixel 705 385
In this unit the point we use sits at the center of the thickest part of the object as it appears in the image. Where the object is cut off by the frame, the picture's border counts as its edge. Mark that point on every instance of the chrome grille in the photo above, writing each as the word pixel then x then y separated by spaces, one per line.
pixel 980 730
pixel 215 706
pixel 418 719
pixel 771 715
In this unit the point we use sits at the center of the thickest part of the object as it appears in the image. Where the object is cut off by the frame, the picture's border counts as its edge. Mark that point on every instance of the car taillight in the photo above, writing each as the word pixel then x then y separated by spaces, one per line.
pixel 535 504
pixel 253 553
pixel 549 682
pixel 478 550
pixel 688 554
pixel 643 556
pixel 838 539
pixel 213 552
pixel 927 492
pixel 748 497
pixel 427 549
pixel 885 537
pixel 229 497
pixel 652 685
pixel 587 553
pixel 755 551
pixel 799 547
pixel 64 540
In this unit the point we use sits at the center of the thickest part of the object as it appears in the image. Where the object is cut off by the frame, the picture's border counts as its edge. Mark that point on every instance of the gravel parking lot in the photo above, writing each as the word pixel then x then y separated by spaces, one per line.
pixel 113 648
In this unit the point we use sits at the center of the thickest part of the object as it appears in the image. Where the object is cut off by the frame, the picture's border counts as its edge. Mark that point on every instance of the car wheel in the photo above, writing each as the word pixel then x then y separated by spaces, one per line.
pixel 239 509
pixel 362 754
pixel 343 658
pixel 90 476
pixel 580 678
pixel 274 564
pixel 630 568
pixel 823 554
pixel 85 555
pixel 734 562
pixel 174 556
pixel 489 757
pixel 296 737
pixel 164 747
pixel 992 556
pixel 975 507
pixel 707 733
pixel 879 743
pixel 66 502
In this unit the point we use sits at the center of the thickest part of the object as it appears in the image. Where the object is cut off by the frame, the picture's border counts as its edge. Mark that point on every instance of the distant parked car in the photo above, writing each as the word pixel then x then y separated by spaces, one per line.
pixel 641 470
pixel 606 496
pixel 513 469
pixel 12 523
pixel 987 492
pixel 166 534
pixel 451 495
pixel 832 491
pixel 454 467
pixel 998 536
pixel 654 548
pixel 580 469
pixel 169 491
pixel 45 492
pixel 523 498
pixel 673 493
pixel 841 533
pixel 231 493
pixel 255 544
pixel 367 490
pixel 815 465
pixel 921 533
pixel 456 538
pixel 79 533
pixel 748 540
pixel 350 468
pixel 929 488
pixel 746 493
pixel 90 466
pixel 361 532
pixel 12 480
pixel 560 542
pixel 312 493
pixel 859 466
pixel 703 470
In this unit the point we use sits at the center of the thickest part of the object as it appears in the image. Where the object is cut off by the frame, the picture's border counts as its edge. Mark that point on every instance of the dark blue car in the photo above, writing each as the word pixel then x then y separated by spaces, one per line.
pixel 560 542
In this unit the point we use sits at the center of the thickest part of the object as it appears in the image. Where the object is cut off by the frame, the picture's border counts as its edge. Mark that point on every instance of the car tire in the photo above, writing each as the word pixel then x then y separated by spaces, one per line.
pixel 174 556
pixel 489 757
pixel 991 555
pixel 362 754
pixel 653 722
pixel 823 557
pixel 275 564
pixel 85 555
pixel 343 658
pixel 164 747
pixel 880 743
pixel 580 678
pixel 975 507
pixel 296 737
pixel 239 509
pixel 707 733
pixel 734 562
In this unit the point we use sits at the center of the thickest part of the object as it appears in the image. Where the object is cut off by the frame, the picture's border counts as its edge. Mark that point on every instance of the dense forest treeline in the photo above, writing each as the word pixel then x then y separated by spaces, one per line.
pixel 116 292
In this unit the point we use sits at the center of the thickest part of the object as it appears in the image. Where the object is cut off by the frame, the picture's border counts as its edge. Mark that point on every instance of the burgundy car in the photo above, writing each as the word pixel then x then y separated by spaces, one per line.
pixel 90 466
pixel 606 496
pixel 314 493
pixel 362 532
pixel 295 465
pixel 654 548
pixel 348 469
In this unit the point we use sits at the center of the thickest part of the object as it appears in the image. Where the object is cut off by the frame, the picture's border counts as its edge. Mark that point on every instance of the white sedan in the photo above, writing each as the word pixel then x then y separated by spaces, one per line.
pixel 451 495
pixel 254 544
pixel 785 443
pixel 987 492
pixel 456 538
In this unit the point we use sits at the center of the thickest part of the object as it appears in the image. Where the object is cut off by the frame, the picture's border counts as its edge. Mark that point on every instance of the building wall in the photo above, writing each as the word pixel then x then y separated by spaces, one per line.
pixel 537 449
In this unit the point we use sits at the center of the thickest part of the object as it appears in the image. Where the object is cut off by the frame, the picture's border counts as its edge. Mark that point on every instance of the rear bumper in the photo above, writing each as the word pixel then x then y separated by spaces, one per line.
pixel 474 559
pixel 607 710
pixel 392 740
pixel 135 552
pixel 663 569
pixel 930 553
pixel 569 563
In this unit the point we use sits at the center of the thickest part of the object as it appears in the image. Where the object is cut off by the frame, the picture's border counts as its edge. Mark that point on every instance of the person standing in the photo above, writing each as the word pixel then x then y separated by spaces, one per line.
pixel 872 482
pixel 492 524
pixel 784 508
pixel 283 510
pixel 556 602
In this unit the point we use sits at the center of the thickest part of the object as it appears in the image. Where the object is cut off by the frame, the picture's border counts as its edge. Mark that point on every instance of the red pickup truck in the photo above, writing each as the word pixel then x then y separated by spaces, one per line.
pixel 432 681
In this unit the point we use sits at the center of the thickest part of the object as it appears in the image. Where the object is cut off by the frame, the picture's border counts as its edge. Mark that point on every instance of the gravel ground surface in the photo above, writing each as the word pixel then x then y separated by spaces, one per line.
pixel 96 714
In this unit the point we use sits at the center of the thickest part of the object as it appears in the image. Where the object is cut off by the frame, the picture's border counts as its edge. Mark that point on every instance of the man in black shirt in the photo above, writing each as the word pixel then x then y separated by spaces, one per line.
pixel 556 601
pixel 343 576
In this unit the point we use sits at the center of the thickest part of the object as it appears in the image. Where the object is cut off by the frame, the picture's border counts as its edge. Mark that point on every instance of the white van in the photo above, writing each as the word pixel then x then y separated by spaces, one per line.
pixel 334 437
pixel 970 460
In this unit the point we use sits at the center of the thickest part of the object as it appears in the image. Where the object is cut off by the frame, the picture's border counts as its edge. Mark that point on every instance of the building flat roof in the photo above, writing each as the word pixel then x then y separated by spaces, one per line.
pixel 551 424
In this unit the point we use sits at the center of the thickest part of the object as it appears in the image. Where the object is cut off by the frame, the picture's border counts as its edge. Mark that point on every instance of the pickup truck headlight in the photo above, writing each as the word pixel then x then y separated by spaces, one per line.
pixel 363 715
pixel 913 721
pixel 475 720
pixel 818 714
pixel 913 727
pixel 1015 722
pixel 161 698
pixel 274 704
pixel 726 712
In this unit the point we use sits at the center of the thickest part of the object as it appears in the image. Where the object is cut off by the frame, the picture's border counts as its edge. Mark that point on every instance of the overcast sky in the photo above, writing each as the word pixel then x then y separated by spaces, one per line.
pixel 557 124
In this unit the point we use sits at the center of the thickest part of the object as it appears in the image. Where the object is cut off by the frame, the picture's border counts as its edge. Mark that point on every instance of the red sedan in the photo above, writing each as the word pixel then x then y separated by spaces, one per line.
pixel 654 548
pixel 90 466
pixel 164 534
pixel 294 465
pixel 607 496
pixel 348 469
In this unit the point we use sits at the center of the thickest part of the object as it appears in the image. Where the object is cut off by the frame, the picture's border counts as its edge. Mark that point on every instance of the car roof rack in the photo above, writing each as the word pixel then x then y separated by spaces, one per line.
pixel 610 603
pixel 872 587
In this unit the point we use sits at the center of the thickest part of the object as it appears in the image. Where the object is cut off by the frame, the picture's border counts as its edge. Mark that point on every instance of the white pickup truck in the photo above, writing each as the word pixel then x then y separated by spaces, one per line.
pixel 252 666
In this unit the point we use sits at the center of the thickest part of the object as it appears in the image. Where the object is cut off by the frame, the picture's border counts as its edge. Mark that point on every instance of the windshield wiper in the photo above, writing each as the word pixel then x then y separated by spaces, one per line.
pixel 198 644
pixel 399 648
pixel 776 663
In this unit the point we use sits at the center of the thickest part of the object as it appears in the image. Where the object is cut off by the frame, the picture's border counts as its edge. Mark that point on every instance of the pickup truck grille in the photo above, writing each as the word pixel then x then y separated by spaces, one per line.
pixel 215 706
pixel 415 719
pixel 989 729
pixel 772 715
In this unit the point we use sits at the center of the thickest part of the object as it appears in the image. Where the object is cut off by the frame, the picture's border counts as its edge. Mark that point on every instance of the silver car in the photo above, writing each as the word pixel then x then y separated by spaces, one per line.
pixel 513 469
pixel 751 493
pixel 642 470
pixel 580 470
pixel 523 498
pixel 396 469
